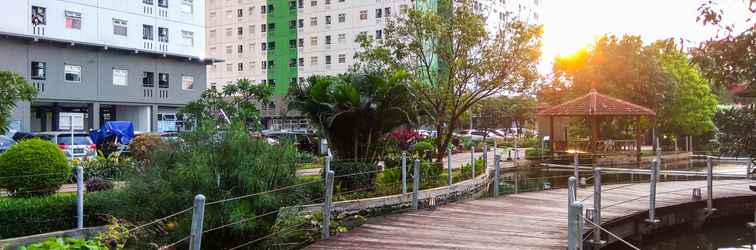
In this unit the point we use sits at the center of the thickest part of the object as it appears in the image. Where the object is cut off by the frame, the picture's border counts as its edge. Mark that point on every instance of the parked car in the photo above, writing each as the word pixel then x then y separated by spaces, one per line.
pixel 82 146
pixel 5 143
pixel 304 140
pixel 477 135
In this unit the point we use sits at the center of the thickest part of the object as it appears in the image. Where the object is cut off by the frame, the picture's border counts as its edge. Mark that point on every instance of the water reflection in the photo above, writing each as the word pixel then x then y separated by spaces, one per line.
pixel 729 233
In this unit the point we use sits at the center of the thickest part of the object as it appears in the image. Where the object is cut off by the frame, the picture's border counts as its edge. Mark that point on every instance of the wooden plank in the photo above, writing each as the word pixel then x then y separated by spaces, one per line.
pixel 533 220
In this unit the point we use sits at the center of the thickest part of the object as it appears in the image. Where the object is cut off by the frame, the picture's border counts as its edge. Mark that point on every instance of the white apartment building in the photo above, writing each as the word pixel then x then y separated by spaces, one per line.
pixel 281 42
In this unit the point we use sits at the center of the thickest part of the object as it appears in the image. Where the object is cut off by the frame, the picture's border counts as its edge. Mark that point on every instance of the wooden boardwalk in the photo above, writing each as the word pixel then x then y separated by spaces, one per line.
pixel 535 220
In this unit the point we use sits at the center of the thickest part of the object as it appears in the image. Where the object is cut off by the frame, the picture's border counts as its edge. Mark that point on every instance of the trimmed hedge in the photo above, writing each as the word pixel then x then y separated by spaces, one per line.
pixel 35 215
pixel 33 167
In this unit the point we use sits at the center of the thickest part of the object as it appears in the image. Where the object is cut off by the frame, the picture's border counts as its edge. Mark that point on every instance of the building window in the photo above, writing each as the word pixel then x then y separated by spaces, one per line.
pixel 240 31
pixel 240 67
pixel 148 79
pixel 263 9
pixel 292 5
pixel 403 9
pixel 187 6
pixel 271 45
pixel 188 38
pixel 39 16
pixel 327 2
pixel 73 20
pixel 314 3
pixel 187 82
pixel 300 23
pixel 300 42
pixel 39 70
pixel 342 58
pixel 327 19
pixel 120 27
pixel 264 65
pixel 328 39
pixel 147 32
pixel 229 14
pixel 292 24
pixel 313 60
pixel 263 46
pixel 301 62
pixel 314 21
pixel 292 63
pixel 342 17
pixel 120 77
pixel 72 73
pixel 363 15
pixel 252 65
pixel 148 2
pixel 292 44
pixel 270 8
pixel 387 11
pixel 271 27
pixel 342 38
pixel 379 34
pixel 328 60
pixel 263 28
pixel 240 13
pixel 163 80
pixel 314 41
pixel 163 3
pixel 162 34
pixel 240 49
pixel 229 67
pixel 378 13
pixel 252 29
pixel 229 50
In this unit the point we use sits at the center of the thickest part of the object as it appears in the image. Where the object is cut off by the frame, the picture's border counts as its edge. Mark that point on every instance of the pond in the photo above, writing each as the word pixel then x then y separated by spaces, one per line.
pixel 725 233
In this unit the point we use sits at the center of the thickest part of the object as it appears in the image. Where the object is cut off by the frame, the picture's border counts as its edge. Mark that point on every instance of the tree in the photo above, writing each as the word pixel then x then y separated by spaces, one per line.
pixel 657 76
pixel 729 59
pixel 457 63
pixel 356 110
pixel 13 88
pixel 236 102
pixel 503 111
pixel 736 129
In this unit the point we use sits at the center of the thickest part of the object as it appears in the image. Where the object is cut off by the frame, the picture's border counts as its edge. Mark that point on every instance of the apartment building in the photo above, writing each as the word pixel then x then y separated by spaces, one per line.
pixel 99 60
pixel 281 42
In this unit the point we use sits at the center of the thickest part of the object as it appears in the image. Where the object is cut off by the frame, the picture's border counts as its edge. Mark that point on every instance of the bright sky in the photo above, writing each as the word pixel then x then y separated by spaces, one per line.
pixel 573 24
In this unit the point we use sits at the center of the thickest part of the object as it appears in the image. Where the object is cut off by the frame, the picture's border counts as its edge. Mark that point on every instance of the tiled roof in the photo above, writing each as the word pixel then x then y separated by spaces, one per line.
pixel 594 103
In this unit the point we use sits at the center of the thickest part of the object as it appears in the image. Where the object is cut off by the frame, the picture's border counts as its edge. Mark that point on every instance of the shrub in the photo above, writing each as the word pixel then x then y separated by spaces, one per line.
pixel 66 243
pixel 421 147
pixel 35 215
pixel 230 164
pixel 352 177
pixel 111 167
pixel 33 167
pixel 97 184
pixel 389 182
pixel 479 169
pixel 145 144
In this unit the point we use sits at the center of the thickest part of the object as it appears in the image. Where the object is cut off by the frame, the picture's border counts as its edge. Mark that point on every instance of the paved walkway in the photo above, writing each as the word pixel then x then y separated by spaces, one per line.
pixel 535 220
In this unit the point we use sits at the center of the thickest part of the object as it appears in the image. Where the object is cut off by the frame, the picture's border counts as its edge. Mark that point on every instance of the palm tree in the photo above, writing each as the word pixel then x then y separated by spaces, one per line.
pixel 355 110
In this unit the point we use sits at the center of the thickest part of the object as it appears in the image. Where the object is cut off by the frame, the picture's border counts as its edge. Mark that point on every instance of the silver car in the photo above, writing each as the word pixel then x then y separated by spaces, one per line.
pixel 82 146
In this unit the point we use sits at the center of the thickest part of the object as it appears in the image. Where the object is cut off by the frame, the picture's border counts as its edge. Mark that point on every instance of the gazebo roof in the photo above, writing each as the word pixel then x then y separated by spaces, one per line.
pixel 595 104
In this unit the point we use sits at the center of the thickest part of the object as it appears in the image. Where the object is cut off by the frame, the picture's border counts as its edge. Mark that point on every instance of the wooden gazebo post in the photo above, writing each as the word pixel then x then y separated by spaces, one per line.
pixel 551 133
pixel 637 139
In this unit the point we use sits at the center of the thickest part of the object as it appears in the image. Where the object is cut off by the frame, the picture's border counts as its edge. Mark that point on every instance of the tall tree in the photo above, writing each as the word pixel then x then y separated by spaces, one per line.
pixel 13 88
pixel 456 61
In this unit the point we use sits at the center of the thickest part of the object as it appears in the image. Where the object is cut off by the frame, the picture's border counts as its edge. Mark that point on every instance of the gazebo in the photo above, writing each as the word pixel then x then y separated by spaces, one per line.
pixel 595 106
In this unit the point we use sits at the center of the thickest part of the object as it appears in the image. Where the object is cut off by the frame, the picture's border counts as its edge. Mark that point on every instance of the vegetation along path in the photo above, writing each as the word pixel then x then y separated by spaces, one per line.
pixel 534 220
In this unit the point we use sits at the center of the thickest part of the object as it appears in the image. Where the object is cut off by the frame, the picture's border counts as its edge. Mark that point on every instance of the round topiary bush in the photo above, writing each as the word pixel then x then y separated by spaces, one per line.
pixel 144 144
pixel 33 167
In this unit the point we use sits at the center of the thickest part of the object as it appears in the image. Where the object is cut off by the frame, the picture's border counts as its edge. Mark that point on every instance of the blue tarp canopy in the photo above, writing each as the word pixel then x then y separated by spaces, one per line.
pixel 123 130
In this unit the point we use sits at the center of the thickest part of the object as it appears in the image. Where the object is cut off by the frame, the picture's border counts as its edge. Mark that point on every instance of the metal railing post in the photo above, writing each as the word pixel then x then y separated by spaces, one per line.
pixel 576 160
pixel 79 196
pixel 472 161
pixel 574 226
pixel 328 159
pixel 597 207
pixel 449 165
pixel 750 166
pixel 709 185
pixel 485 156
pixel 327 204
pixel 571 190
pixel 415 184
pixel 497 174
pixel 404 172
pixel 516 182
pixel 652 192
pixel 198 218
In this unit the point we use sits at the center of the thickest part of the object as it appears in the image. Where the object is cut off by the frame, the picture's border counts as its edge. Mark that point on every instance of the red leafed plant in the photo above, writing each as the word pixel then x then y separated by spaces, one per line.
pixel 403 137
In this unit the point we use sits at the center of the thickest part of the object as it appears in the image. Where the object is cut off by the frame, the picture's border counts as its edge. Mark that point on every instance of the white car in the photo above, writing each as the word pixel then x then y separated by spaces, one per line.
pixel 477 135
pixel 82 146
